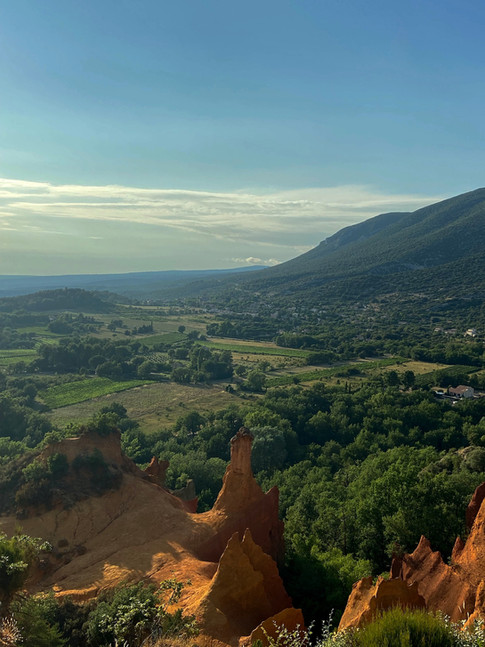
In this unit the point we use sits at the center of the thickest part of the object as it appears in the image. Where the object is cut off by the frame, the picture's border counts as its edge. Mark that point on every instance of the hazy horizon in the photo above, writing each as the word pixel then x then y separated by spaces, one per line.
pixel 48 229
pixel 163 136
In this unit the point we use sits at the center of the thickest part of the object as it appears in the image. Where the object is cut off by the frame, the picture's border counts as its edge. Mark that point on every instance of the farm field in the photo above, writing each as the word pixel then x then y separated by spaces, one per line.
pixel 278 363
pixel 155 406
pixel 12 356
pixel 165 338
pixel 131 317
pixel 255 348
pixel 457 370
pixel 63 395
pixel 356 371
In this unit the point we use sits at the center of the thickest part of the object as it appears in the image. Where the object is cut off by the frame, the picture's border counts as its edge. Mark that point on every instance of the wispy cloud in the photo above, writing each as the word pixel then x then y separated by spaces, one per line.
pixel 241 213
pixel 254 260
pixel 252 222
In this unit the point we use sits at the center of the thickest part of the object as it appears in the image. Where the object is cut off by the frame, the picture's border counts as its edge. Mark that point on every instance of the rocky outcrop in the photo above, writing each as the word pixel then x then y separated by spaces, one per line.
pixel 242 504
pixel 139 530
pixel 108 446
pixel 245 590
pixel 457 590
pixel 474 505
pixel 291 619
pixel 157 471
pixel 367 599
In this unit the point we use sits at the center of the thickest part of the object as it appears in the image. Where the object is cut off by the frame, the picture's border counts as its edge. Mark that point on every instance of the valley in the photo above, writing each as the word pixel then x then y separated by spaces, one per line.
pixel 346 400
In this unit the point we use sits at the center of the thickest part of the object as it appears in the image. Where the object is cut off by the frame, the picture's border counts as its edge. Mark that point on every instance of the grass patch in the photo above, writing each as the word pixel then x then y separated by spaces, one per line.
pixel 399 628
pixel 452 372
pixel 63 395
pixel 165 338
pixel 364 367
pixel 155 406
pixel 12 356
pixel 418 367
pixel 256 350
pixel 39 330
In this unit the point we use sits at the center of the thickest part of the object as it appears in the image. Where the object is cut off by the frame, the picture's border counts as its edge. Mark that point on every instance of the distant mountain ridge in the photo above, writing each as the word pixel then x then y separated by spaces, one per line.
pixel 437 245
pixel 437 250
pixel 133 284
pixel 74 299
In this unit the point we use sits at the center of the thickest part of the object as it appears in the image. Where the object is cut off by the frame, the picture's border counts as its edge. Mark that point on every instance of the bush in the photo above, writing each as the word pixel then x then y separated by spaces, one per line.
pixel 32 616
pixel 136 612
pixel 398 628
pixel 100 477
pixel 394 628
pixel 17 554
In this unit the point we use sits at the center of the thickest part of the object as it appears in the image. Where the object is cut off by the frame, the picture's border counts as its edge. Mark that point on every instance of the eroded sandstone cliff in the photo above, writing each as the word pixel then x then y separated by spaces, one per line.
pixel 422 578
pixel 139 530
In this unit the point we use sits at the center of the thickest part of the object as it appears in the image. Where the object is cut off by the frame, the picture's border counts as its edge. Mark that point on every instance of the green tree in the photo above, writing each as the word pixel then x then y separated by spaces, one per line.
pixel 17 555
pixel 145 369
pixel 255 381
pixel 34 617
pixel 132 613
pixel 269 448
pixel 408 379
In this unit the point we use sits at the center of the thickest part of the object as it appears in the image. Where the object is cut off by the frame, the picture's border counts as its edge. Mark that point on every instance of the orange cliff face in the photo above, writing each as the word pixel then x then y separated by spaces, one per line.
pixel 242 504
pixel 245 591
pixel 141 531
pixel 423 578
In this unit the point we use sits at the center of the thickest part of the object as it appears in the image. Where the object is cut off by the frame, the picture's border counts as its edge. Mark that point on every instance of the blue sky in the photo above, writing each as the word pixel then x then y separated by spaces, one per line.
pixel 212 133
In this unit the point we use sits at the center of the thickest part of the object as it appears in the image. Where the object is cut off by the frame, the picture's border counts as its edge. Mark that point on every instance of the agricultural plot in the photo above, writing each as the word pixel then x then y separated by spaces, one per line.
pixel 12 356
pixel 417 367
pixel 360 370
pixel 449 373
pixel 155 406
pixel 256 349
pixel 166 338
pixel 63 395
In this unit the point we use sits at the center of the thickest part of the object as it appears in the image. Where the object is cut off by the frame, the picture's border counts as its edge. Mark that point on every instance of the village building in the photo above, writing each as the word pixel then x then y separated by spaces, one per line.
pixel 461 391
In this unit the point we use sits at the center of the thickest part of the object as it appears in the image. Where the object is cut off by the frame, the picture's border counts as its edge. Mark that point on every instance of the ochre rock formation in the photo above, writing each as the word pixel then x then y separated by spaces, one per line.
pixel 245 590
pixel 139 530
pixel 291 619
pixel 457 590
pixel 367 599
pixel 474 505
pixel 157 471
pixel 242 504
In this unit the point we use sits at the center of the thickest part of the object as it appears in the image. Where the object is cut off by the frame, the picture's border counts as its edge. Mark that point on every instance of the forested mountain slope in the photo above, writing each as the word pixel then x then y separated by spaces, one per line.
pixel 436 248
pixel 405 249
pixel 63 299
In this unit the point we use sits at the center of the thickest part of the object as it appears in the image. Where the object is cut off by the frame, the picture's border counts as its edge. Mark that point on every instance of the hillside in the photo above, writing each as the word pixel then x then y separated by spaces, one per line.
pixel 132 284
pixel 437 247
pixel 73 299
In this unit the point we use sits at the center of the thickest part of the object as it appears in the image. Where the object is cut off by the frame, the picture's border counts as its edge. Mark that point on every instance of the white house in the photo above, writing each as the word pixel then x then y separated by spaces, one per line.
pixel 461 391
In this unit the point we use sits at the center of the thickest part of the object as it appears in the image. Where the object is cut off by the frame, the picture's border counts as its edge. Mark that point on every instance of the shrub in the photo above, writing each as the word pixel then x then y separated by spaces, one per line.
pixel 35 471
pixel 136 612
pixel 17 554
pixel 398 628
pixel 58 465
pixel 32 616
pixel 394 628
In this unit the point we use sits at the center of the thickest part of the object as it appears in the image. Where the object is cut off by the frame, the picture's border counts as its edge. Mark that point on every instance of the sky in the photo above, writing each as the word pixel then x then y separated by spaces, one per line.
pixel 195 134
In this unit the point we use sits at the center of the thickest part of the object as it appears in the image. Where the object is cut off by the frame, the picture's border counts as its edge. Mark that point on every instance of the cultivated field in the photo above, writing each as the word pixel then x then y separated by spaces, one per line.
pixel 8 357
pixel 63 395
pixel 155 406
pixel 255 348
